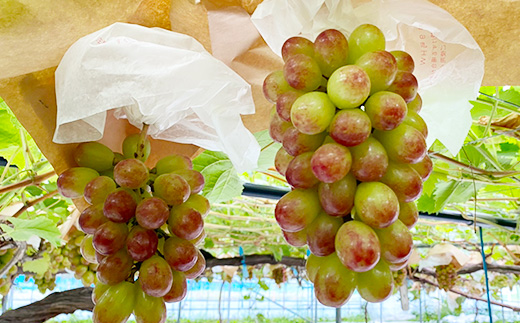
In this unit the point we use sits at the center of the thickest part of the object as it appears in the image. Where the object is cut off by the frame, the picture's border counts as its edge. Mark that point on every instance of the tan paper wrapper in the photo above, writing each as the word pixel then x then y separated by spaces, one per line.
pixel 35 34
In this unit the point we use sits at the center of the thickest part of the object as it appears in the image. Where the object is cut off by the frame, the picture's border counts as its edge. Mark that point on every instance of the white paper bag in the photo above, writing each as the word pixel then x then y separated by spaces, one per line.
pixel 158 77
pixel 449 64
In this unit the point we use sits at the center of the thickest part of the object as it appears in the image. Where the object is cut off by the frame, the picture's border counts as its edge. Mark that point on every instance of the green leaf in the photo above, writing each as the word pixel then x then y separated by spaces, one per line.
pixel 510 95
pixel 222 181
pixel 263 285
pixel 23 229
pixel 454 192
pixel 268 151
pixel 426 203
pixel 38 266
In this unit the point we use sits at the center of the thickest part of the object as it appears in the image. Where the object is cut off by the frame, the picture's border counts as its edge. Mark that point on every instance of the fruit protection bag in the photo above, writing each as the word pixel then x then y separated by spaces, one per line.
pixel 449 64
pixel 158 77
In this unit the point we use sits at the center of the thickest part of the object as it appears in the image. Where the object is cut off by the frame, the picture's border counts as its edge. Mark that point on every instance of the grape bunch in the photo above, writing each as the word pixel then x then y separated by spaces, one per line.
pixel 354 152
pixel 142 226
pixel 446 276
pixel 5 282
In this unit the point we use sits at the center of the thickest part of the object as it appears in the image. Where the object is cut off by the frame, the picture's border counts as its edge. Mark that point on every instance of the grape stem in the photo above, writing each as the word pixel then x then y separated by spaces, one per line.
pixel 142 140
pixel 31 181
pixel 480 171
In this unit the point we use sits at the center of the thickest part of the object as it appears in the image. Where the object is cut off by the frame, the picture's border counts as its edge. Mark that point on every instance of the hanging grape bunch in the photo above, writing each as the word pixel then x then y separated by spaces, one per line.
pixel 446 275
pixel 354 152
pixel 142 225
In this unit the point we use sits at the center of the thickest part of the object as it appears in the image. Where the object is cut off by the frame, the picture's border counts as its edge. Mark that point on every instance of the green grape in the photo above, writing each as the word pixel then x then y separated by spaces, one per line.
pixel 377 284
pixel 94 155
pixel 404 144
pixel 172 163
pixel 97 189
pixel 155 276
pixel 274 85
pixel 396 242
pixel 71 183
pixel 199 203
pixel 376 204
pixel 331 51
pixel 404 61
pixel 416 104
pixel 148 309
pixel 130 147
pixel 365 38
pixel 408 214
pixel 131 173
pixel 172 188
pixel 312 112
pixel 446 276
pixel 98 291
pixel 179 288
pixel 116 304
pixel 348 87
pixel 87 250
pixel 381 68
pixel 297 45
pixel 282 160
pixel 415 120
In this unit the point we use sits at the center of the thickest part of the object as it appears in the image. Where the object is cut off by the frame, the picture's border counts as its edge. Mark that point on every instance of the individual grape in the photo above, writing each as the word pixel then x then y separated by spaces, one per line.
pixel 297 45
pixel 194 178
pixel 414 119
pixel 71 183
pixel 120 297
pixel 396 242
pixel 115 268
pixel 331 51
pixel 404 61
pixel 131 173
pixel 404 181
pixel 331 162
pixel 97 189
pixel 377 284
pixel 424 168
pixel 302 73
pixel 110 237
pixel 141 243
pixel 152 213
pixel 321 234
pixel 178 290
pixel 312 112
pixel 155 276
pixel 98 291
pixel 180 254
pixel 172 163
pixel 296 143
pixel 348 87
pixel 313 263
pixel 376 204
pixel 357 246
pixel 386 110
pixel 350 127
pixel 405 84
pixel 365 38
pixel 94 155
pixel 172 188
pixel 369 160
pixel 198 268
pixel 185 222
pixel 296 239
pixel 120 206
pixel 282 160
pixel 398 266
pixel 199 203
pixel 148 309
pixel 278 127
pixel 87 249
pixel 337 199
pixel 404 144
pixel 381 68
pixel 333 283
pixel 284 104
pixel 299 172
pixel 200 239
pixel 91 218
pixel 274 85
pixel 88 279
pixel 408 214
pixel 416 104
pixel 296 209
pixel 446 276
pixel 130 147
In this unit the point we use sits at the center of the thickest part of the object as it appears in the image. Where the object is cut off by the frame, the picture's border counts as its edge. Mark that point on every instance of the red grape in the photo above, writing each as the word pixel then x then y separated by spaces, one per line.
pixel 120 206
pixel 91 218
pixel 321 234
pixel 386 110
pixel 185 222
pixel 350 127
pixel 72 182
pixel 302 73
pixel 152 213
pixel 180 254
pixel 296 209
pixel 110 237
pixel 357 246
pixel 369 160
pixel 376 204
pixel 331 162
pixel 297 45
pixel 337 199
pixel 299 172
pixel 295 142
pixel 274 85
pixel 331 51
pixel 404 181
pixel 404 61
pixel 141 243
pixel 131 173
pixel 405 84
pixel 155 276
pixel 381 68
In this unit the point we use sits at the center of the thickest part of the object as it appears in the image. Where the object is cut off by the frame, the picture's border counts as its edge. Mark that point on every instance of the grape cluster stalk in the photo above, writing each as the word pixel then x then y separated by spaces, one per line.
pixel 142 227
pixel 354 152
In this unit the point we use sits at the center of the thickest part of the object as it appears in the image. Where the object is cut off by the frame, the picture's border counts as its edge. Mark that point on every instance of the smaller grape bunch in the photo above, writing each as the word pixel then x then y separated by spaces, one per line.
pixel 6 282
pixel 142 227
pixel 355 154
pixel 446 276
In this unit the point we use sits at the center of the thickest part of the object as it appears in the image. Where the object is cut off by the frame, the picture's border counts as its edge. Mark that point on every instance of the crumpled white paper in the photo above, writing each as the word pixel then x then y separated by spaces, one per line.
pixel 449 64
pixel 443 254
pixel 158 77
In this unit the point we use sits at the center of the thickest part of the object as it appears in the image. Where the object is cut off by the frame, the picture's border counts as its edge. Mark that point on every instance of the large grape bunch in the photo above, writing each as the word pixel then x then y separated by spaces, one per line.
pixel 142 227
pixel 354 152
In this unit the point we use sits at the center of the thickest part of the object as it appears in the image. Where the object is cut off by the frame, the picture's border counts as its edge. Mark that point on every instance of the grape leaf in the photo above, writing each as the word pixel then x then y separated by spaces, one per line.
pixel 454 192
pixel 222 180
pixel 426 203
pixel 268 151
pixel 24 229
pixel 38 266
